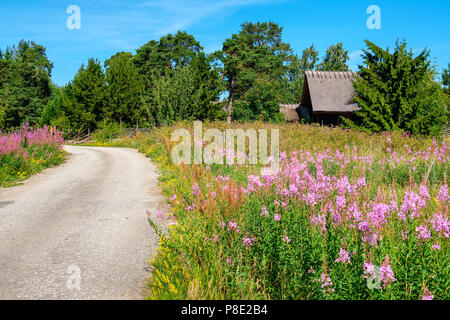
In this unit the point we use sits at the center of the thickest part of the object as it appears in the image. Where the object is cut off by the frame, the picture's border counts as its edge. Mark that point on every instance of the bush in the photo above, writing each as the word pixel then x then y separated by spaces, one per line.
pixel 106 131
pixel 260 103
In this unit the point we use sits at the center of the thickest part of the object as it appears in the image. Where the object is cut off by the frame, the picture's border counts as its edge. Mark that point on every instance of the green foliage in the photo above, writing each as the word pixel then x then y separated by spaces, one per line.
pixel 2 115
pixel 106 131
pixel 180 82
pixel 25 83
pixel 446 84
pixel 124 88
pixel 159 58
pixel 292 82
pixel 186 93
pixel 335 59
pixel 259 103
pixel 446 79
pixel 83 99
pixel 396 91
pixel 257 51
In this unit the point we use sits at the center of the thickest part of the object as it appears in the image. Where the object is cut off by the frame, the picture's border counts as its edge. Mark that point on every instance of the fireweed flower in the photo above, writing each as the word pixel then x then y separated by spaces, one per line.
pixel 436 247
pixel 423 233
pixel 404 234
pixel 173 198
pixel 320 220
pixel 443 194
pixel 286 239
pixel 233 227
pixel 368 270
pixel 196 190
pixel 340 202
pixel 412 203
pixel 343 256
pixel 326 284
pixel 386 273
pixel 427 295
pixel 264 212
pixel 276 217
pixel 248 242
pixel 440 225
pixel 423 192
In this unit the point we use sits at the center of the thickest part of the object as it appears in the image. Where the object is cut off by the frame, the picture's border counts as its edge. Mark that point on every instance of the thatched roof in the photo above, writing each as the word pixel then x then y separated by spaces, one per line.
pixel 290 111
pixel 329 91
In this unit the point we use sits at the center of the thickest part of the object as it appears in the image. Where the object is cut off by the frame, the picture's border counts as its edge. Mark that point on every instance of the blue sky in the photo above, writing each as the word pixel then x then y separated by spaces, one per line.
pixel 109 26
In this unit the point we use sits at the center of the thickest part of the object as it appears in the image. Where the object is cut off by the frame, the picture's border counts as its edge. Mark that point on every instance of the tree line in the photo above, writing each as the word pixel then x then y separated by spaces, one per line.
pixel 173 79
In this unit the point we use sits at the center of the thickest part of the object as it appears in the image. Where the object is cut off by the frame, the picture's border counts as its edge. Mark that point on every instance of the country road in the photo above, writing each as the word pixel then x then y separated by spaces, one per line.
pixel 80 230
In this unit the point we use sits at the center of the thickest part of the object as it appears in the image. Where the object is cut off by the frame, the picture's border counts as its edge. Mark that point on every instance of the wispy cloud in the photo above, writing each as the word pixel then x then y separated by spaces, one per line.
pixel 178 14
pixel 126 25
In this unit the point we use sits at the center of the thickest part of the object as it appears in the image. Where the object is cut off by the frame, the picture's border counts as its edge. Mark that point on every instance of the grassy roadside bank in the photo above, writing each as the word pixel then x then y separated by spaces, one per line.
pixel 345 208
pixel 28 152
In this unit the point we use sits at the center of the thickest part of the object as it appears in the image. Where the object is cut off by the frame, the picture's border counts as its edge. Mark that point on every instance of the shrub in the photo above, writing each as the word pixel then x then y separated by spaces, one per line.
pixel 260 103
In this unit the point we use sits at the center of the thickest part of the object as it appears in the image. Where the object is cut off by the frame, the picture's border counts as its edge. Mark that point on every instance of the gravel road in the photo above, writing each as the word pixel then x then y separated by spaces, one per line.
pixel 80 230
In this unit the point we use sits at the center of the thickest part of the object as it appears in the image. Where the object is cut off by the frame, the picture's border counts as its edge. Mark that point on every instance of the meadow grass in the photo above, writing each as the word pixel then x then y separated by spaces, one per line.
pixel 348 216
pixel 28 152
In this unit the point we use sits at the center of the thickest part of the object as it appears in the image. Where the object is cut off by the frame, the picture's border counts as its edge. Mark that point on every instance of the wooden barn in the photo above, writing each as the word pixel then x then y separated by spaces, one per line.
pixel 327 95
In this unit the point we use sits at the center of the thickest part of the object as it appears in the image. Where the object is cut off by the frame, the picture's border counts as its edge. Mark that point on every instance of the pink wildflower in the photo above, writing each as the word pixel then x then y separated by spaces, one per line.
pixel 343 256
pixel 443 194
pixel 248 242
pixel 233 226
pixel 264 212
pixel 423 233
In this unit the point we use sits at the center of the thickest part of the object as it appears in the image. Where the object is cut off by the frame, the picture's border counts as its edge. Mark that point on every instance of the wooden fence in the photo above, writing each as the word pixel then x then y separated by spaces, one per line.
pixel 81 138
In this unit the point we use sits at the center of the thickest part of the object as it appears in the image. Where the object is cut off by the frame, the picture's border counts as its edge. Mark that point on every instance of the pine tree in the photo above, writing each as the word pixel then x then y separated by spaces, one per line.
pixel 25 83
pixel 396 91
pixel 256 52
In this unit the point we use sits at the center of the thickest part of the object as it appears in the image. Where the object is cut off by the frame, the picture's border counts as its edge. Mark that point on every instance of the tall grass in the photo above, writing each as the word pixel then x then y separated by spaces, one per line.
pixel 28 151
pixel 348 216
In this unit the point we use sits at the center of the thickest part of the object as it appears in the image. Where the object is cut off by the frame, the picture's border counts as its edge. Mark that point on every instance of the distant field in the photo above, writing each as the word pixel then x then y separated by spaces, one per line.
pixel 348 216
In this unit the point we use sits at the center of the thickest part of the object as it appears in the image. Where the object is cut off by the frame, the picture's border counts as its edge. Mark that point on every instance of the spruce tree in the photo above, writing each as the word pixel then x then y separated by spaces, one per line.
pixel 396 91
pixel 123 91
pixel 84 98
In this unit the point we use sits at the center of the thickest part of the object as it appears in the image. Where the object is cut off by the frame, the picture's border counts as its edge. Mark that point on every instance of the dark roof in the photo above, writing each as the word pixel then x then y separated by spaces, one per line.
pixel 329 91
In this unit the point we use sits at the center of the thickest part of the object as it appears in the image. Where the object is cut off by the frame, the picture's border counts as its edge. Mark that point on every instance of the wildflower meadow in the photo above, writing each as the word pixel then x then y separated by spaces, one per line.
pixel 28 151
pixel 348 216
